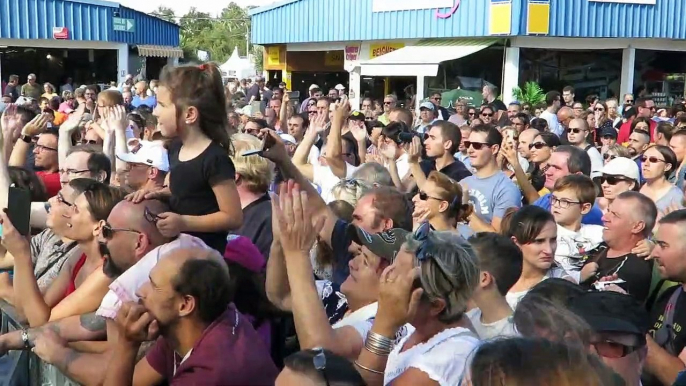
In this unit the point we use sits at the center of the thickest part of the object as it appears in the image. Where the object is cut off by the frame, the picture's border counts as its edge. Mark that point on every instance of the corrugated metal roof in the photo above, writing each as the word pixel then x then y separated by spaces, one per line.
pixel 306 21
pixel 584 18
pixel 35 19
pixel 93 20
pixel 149 30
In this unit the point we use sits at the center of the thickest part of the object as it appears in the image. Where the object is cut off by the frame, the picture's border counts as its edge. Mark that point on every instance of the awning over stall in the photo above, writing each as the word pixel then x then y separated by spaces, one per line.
pixel 423 58
pixel 160 51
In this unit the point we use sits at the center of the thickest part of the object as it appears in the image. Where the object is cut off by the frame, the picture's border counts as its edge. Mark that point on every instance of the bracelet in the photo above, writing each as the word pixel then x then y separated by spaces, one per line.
pixel 368 369
pixel 378 344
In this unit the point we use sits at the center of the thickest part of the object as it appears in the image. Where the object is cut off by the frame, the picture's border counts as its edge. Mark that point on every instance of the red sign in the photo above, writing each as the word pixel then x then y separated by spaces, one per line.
pixel 352 53
pixel 60 33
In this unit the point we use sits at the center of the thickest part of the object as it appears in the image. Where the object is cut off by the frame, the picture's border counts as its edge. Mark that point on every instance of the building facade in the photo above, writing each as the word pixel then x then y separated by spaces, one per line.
pixel 409 38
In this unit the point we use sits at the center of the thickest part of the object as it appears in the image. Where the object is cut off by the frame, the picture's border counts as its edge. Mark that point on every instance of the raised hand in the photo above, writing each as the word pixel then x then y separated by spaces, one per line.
pixel 36 126
pixel 297 232
pixel 72 122
pixel 398 299
pixel 414 150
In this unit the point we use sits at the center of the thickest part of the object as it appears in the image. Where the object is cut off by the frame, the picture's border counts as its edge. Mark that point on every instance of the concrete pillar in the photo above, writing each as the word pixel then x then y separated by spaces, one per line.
pixel 173 61
pixel 510 73
pixel 628 64
pixel 355 88
pixel 122 62
pixel 420 93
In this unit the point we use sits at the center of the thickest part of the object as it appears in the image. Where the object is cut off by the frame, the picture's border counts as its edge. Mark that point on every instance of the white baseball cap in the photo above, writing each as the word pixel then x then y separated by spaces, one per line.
pixel 288 138
pixel 622 166
pixel 313 86
pixel 148 153
pixel 339 87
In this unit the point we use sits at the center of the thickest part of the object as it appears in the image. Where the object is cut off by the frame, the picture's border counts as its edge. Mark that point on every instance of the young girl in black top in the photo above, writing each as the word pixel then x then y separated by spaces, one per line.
pixel 191 109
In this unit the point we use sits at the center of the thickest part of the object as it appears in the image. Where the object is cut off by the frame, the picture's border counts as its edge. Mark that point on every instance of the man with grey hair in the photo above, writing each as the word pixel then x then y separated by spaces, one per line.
pixel 374 174
pixel 390 101
pixel 490 94
pixel 31 89
pixel 630 219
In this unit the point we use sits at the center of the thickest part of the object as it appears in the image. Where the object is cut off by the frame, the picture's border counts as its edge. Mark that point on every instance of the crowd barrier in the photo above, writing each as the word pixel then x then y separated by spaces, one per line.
pixel 22 367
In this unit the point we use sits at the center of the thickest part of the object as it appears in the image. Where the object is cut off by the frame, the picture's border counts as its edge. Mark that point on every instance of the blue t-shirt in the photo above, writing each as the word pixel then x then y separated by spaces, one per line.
pixel 150 101
pixel 492 196
pixel 593 217
pixel 340 242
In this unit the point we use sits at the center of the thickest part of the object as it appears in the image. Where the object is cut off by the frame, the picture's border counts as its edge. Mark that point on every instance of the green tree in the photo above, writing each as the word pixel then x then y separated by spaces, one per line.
pixel 165 13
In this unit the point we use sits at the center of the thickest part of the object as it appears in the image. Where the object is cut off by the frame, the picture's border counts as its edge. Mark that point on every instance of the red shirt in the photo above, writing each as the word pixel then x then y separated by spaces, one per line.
pixel 229 353
pixel 625 131
pixel 51 182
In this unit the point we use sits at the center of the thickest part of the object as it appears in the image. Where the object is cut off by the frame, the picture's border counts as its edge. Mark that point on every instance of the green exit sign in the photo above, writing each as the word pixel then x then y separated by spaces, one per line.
pixel 124 25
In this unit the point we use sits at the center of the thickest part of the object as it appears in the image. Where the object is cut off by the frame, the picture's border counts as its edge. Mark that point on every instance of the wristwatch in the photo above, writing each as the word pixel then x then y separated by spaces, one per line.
pixel 26 138
pixel 25 338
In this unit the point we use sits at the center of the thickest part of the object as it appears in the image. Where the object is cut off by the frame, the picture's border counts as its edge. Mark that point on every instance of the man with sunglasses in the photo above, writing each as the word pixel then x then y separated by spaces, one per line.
pixel 645 108
pixel 491 192
pixel 147 165
pixel 389 103
pixel 620 324
pixel 441 112
pixel 577 134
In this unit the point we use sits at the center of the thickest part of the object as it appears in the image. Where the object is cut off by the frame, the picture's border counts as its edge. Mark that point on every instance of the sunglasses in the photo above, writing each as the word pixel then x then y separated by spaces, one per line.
pixel 486 115
pixel 629 101
pixel 537 145
pixel 476 145
pixel 613 180
pixel 599 109
pixel 610 349
pixel 387 103
pixel 88 142
pixel 150 216
pixel 436 99
pixel 319 362
pixel 575 130
pixel 608 156
pixel 108 231
pixel 472 114
pixel 652 160
pixel 423 196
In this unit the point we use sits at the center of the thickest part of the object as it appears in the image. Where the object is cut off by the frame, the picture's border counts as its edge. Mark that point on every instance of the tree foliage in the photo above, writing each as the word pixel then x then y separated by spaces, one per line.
pixel 216 34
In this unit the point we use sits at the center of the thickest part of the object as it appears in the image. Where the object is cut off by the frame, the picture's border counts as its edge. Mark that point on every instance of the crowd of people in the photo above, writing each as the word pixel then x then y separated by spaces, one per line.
pixel 190 232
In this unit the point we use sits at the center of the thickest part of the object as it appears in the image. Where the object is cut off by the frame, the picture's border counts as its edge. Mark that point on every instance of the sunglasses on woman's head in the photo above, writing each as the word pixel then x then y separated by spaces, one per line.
pixel 537 145
pixel 651 159
pixel 613 180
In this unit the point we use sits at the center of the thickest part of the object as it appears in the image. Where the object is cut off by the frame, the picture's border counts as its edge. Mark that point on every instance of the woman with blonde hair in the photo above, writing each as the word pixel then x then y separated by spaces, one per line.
pixel 614 151
pixel 350 190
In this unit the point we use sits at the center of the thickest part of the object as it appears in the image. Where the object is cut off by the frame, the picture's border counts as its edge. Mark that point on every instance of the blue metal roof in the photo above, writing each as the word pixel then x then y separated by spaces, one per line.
pixel 85 19
pixel 584 18
pixel 305 21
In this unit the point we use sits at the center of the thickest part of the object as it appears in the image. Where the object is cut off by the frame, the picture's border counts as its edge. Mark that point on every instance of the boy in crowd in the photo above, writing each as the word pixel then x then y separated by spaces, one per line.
pixel 500 263
pixel 572 197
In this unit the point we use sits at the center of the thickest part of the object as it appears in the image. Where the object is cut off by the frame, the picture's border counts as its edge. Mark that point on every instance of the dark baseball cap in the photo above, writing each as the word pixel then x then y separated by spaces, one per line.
pixel 386 244
pixel 609 131
pixel 608 311
pixel 356 116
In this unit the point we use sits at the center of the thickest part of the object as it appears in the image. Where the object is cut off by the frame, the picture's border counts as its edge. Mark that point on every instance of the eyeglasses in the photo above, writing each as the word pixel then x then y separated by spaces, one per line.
pixel 599 110
pixel 423 196
pixel 472 114
pixel 319 362
pixel 73 171
pixel 652 160
pixel 629 101
pixel 61 200
pixel 608 156
pixel 108 231
pixel 574 130
pixel 563 203
pixel 476 145
pixel 150 216
pixel 42 147
pixel 486 115
pixel 388 103
pixel 537 145
pixel 613 180
pixel 610 349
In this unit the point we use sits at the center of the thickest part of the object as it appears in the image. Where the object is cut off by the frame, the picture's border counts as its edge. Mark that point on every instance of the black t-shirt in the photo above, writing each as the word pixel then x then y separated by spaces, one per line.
pixel 456 170
pixel 257 224
pixel 657 317
pixel 191 185
pixel 636 271
pixel 498 104
pixel 254 90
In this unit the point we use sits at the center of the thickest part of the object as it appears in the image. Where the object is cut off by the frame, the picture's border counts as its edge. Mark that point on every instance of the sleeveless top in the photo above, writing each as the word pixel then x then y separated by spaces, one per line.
pixel 74 273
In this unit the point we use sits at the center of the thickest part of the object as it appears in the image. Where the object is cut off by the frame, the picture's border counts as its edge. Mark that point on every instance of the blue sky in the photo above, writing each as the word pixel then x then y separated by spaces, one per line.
pixel 182 6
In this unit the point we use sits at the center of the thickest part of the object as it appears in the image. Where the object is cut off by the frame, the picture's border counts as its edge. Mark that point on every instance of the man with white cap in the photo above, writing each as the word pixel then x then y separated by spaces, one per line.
pixel 341 89
pixel 290 142
pixel 427 116
pixel 147 165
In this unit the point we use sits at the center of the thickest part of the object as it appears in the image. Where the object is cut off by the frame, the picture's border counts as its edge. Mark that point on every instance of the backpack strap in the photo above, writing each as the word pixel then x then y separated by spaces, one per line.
pixel 664 336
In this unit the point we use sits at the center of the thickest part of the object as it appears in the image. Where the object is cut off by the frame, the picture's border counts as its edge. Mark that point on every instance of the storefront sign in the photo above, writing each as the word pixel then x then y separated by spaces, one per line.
pixel 352 53
pixel 123 25
pixel 333 59
pixel 273 56
pixel 60 33
pixel 648 2
pixel 406 5
pixel 376 50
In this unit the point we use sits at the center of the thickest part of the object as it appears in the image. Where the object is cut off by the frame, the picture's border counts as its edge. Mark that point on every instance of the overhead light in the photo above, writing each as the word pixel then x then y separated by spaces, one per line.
pixel 49 57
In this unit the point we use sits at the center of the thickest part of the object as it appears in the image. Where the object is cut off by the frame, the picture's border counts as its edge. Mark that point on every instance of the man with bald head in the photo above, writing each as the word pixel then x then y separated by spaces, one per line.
pixel 526 138
pixel 131 246
pixel 195 321
pixel 578 133
pixel 564 115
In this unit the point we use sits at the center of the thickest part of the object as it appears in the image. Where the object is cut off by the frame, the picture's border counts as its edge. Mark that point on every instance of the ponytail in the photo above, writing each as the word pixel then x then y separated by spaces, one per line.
pixel 200 86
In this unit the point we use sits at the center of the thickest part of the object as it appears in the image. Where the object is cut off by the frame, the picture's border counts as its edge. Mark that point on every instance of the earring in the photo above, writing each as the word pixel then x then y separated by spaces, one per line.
pixel 188 122
pixel 69 225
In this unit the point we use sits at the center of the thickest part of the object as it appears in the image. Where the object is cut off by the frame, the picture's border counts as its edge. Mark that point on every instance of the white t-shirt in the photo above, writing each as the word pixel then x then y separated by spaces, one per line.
pixel 513 298
pixel 596 161
pixel 573 246
pixel 326 180
pixel 553 123
pixel 501 328
pixel 403 165
pixel 442 358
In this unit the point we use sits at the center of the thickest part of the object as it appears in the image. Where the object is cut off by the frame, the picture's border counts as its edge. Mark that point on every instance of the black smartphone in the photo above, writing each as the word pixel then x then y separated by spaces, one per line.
pixel 19 209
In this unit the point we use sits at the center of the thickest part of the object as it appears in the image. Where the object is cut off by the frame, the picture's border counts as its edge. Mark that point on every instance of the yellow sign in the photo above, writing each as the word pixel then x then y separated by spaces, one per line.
pixel 333 59
pixel 376 50
pixel 273 56
pixel 501 19
pixel 539 19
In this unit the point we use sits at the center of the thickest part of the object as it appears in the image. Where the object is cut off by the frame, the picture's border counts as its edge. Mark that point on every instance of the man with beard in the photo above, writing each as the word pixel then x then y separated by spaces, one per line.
pixel 203 340
pixel 132 245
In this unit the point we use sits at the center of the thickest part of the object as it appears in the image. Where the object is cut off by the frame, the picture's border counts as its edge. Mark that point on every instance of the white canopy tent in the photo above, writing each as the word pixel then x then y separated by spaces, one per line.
pixel 237 67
